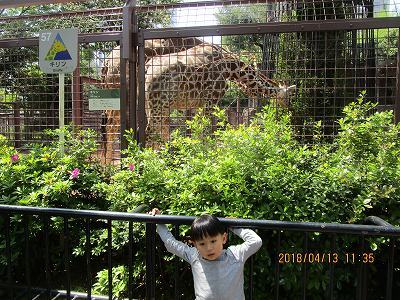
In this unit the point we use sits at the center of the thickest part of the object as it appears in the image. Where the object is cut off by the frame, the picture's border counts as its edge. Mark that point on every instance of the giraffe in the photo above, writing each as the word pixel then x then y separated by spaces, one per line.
pixel 197 77
pixel 110 78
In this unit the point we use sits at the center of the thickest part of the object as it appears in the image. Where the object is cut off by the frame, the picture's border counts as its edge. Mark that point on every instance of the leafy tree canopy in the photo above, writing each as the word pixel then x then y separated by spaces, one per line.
pixel 145 20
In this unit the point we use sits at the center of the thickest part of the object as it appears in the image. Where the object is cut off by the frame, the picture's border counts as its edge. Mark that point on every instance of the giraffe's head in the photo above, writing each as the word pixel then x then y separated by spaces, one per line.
pixel 283 93
pixel 256 85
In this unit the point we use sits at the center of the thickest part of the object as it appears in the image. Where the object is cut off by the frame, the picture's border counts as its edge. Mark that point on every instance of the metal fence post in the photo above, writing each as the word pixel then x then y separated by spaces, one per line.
pixel 150 261
pixel 141 115
pixel 390 268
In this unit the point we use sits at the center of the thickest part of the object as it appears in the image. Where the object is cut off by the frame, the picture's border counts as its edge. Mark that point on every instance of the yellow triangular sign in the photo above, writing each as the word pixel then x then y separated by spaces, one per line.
pixel 58 51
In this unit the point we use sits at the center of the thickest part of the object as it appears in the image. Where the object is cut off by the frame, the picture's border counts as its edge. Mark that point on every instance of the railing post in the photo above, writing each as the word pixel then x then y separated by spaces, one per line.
pixel 176 268
pixel 251 282
pixel 88 249
pixel 361 275
pixel 67 267
pixel 8 257
pixel 141 112
pixel 46 254
pixel 130 260
pixel 332 267
pixel 109 250
pixel 304 267
pixel 150 261
pixel 389 280
pixel 277 266
pixel 26 220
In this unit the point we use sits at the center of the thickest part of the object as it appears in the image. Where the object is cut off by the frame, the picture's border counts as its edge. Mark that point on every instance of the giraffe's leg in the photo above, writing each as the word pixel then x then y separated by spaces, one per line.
pixel 153 129
pixel 153 114
pixel 158 117
pixel 158 128
pixel 165 123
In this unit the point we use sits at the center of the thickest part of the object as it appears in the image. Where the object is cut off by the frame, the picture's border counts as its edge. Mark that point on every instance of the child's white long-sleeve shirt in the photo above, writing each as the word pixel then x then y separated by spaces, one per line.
pixel 220 279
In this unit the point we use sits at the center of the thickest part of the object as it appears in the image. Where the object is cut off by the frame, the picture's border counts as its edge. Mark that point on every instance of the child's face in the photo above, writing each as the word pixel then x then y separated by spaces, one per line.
pixel 210 247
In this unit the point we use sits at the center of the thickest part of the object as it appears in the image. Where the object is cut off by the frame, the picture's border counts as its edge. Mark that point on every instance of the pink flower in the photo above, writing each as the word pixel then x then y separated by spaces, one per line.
pixel 74 173
pixel 131 167
pixel 15 157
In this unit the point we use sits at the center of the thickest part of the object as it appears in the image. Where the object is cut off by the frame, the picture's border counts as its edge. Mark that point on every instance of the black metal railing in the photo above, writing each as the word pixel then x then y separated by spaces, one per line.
pixel 16 253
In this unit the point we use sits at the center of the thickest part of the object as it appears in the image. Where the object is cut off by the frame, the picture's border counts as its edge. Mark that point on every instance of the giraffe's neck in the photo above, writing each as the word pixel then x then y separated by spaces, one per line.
pixel 251 82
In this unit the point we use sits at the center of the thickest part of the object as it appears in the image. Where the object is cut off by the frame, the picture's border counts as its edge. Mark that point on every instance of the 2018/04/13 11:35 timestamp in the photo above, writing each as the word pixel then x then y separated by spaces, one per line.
pixel 329 257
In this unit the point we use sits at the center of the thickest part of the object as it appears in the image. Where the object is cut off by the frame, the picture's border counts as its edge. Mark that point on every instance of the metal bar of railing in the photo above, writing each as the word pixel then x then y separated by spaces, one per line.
pixel 360 272
pixel 46 255
pixel 27 256
pixel 150 261
pixel 67 259
pixel 88 250
pixel 376 221
pixel 304 267
pixel 130 261
pixel 331 267
pixel 277 266
pixel 109 251
pixel 373 230
pixel 390 268
pixel 251 285
pixel 364 271
pixel 8 255
pixel 176 269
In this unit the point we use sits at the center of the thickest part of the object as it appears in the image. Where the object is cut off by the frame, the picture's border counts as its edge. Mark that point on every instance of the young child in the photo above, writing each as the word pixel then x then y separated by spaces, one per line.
pixel 217 273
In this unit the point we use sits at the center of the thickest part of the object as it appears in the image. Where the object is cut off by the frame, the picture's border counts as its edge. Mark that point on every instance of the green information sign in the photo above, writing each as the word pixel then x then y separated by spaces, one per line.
pixel 104 99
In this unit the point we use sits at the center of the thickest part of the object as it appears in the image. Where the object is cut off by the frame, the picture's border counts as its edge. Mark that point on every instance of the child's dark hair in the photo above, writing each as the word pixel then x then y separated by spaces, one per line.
pixel 206 225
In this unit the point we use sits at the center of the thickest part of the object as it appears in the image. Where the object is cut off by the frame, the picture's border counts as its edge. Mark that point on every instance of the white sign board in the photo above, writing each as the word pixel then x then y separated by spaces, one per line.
pixel 107 99
pixel 58 50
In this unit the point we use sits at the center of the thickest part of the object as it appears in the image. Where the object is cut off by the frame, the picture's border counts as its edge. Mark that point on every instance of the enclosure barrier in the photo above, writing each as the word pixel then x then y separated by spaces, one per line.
pixel 12 288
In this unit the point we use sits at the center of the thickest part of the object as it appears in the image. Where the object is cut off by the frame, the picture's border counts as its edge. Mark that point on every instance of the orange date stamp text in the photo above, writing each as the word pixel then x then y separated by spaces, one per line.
pixel 325 257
